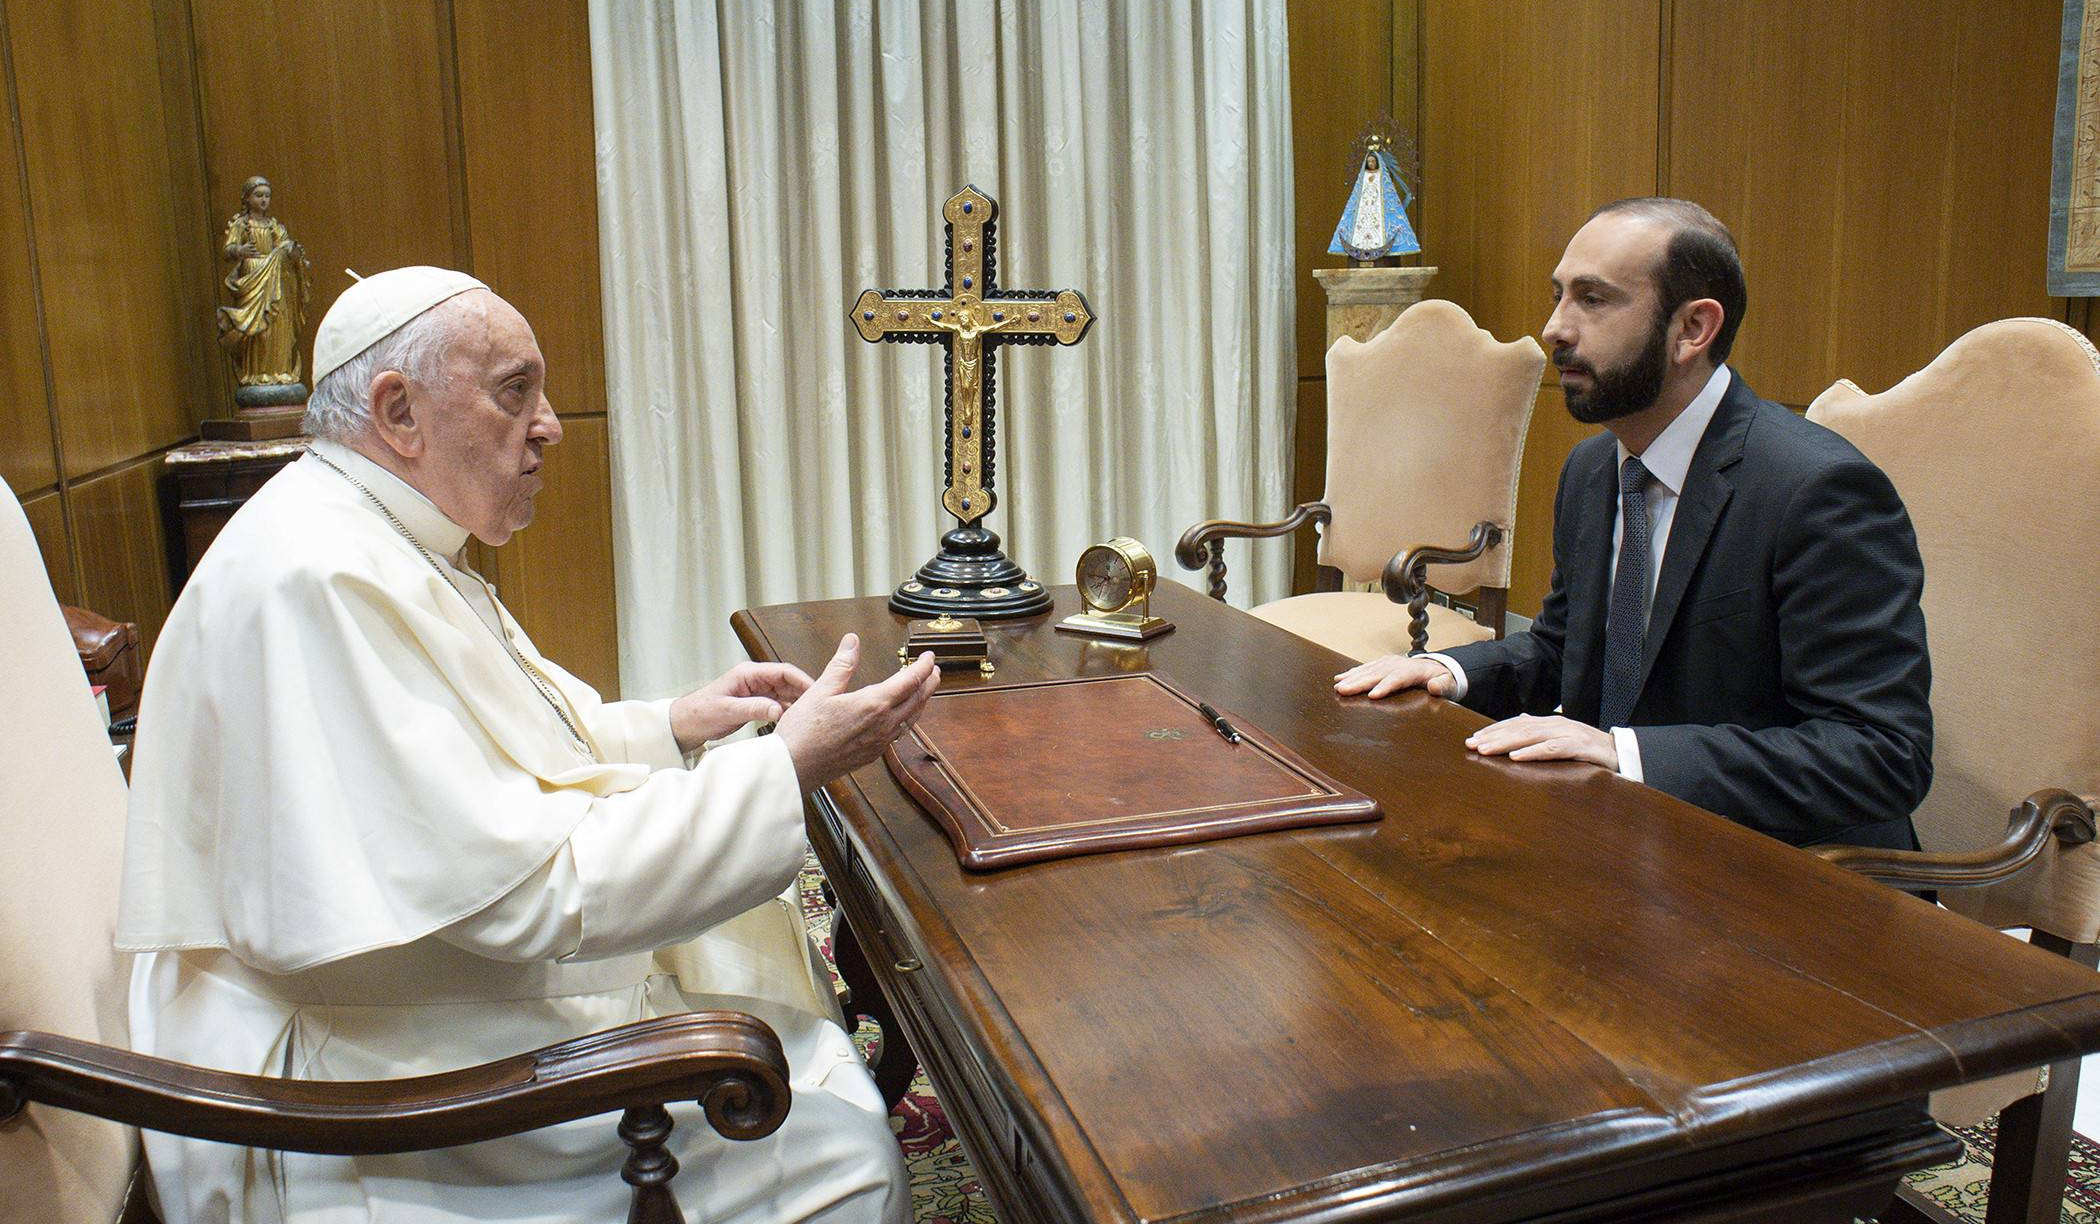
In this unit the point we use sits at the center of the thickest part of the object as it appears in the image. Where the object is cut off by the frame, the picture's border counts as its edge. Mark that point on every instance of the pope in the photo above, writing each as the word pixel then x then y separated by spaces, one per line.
pixel 375 833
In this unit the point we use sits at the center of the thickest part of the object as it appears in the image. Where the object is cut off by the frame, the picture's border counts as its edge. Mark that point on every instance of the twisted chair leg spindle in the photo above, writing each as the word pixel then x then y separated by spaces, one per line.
pixel 1418 620
pixel 649 1168
pixel 1217 569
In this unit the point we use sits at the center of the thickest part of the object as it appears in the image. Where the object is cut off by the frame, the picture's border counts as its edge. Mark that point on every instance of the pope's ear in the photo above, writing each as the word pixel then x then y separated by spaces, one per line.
pixel 394 414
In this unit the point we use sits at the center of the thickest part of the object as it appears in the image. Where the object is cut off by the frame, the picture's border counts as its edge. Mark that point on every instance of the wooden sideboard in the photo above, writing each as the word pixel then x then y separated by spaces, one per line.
pixel 204 483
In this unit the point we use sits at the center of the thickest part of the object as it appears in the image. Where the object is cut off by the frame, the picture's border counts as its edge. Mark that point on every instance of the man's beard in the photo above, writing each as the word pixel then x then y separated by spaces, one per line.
pixel 1622 390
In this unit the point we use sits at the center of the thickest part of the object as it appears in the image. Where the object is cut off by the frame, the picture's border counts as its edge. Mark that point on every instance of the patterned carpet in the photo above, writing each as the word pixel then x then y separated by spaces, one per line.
pixel 944 1187
pixel 1960 1187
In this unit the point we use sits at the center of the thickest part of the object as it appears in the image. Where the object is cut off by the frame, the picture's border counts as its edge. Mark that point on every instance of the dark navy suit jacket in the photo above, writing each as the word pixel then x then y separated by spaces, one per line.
pixel 1784 681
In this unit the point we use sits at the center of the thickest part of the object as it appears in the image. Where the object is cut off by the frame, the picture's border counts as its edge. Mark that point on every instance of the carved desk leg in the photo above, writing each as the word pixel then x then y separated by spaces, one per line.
pixel 895 1062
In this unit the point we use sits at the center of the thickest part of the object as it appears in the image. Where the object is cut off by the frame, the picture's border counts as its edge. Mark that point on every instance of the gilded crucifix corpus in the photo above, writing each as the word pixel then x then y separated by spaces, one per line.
pixel 971 317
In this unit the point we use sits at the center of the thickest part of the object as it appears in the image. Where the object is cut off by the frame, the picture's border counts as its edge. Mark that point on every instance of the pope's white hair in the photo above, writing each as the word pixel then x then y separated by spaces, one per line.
pixel 340 408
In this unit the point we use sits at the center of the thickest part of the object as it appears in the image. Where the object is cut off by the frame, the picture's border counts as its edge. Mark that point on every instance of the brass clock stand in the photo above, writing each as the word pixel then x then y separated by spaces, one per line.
pixel 1115 578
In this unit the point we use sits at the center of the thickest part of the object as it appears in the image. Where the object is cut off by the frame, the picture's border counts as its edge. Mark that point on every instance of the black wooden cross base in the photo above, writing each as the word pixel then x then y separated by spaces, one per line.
pixel 971 577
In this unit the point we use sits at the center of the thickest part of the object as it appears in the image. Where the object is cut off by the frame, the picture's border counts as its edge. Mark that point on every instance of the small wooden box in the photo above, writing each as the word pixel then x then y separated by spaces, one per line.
pixel 954 641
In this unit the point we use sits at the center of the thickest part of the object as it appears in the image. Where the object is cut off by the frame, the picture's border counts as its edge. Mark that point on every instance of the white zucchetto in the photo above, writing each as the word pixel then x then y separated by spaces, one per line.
pixel 377 306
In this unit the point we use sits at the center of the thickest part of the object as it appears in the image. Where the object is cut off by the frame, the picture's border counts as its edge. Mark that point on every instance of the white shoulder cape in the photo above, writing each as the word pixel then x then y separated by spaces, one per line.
pixel 336 754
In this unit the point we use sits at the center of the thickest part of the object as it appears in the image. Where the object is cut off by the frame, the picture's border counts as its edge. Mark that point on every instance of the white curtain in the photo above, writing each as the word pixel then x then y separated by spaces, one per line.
pixel 760 162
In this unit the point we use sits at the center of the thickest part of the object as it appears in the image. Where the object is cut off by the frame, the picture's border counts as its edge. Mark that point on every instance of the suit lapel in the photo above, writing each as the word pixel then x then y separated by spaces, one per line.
pixel 1706 494
pixel 1595 500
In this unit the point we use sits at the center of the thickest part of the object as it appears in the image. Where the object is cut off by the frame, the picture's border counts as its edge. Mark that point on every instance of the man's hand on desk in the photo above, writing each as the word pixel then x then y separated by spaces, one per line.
pixel 1548 737
pixel 1527 737
pixel 746 693
pixel 1389 674
pixel 831 732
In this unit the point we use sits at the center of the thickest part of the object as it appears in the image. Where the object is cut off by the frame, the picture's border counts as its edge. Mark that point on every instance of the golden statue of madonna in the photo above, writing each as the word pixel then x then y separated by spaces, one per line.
pixel 270 284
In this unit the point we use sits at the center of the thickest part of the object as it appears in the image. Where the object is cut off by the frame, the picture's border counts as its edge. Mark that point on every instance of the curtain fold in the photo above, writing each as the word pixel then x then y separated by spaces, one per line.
pixel 761 162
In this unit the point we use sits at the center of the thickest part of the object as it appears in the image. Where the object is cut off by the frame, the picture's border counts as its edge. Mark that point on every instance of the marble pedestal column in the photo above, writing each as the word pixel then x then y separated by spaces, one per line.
pixel 1362 302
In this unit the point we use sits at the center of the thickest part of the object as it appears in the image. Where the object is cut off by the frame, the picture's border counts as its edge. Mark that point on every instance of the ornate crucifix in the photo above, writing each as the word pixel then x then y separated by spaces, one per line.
pixel 971 317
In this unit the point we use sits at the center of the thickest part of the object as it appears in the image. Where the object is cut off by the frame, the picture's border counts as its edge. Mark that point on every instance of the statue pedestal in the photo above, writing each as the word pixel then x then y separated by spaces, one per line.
pixel 253 426
pixel 1362 302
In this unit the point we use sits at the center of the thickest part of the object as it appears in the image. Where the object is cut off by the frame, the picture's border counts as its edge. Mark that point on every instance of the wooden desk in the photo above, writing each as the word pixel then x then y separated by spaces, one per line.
pixel 1531 992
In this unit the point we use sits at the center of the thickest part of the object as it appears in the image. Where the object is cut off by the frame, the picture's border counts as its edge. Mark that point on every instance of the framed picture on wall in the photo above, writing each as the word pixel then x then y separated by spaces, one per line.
pixel 2074 189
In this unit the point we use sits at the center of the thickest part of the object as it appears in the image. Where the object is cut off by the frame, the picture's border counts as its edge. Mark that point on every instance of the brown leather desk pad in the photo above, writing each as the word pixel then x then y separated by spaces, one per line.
pixel 1025 772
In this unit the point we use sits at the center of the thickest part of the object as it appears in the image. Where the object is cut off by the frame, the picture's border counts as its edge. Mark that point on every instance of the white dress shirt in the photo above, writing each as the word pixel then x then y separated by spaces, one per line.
pixel 1669 461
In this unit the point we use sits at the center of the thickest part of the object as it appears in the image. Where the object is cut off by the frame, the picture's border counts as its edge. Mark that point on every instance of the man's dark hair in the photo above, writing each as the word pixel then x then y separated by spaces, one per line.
pixel 1700 262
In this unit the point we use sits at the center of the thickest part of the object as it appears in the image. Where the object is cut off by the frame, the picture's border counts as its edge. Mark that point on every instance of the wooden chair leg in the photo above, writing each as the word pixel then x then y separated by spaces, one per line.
pixel 650 1166
pixel 895 1061
pixel 2033 1158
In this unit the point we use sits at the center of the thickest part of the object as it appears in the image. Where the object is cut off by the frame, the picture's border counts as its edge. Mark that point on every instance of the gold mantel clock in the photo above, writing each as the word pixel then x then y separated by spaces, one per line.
pixel 1115 583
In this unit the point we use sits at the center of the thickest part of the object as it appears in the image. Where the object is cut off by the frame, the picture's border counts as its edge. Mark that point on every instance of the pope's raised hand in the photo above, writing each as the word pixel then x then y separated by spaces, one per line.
pixel 746 693
pixel 831 730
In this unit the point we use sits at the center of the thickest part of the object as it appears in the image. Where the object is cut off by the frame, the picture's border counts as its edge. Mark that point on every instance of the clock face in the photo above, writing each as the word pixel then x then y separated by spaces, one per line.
pixel 1105 579
pixel 1115 575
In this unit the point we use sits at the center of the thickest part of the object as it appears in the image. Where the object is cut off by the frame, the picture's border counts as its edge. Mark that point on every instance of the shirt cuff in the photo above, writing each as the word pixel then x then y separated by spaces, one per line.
pixel 1458 674
pixel 1629 746
pixel 638 733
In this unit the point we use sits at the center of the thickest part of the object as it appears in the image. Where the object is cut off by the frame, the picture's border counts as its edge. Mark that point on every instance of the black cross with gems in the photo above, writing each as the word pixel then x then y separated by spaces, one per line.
pixel 972 317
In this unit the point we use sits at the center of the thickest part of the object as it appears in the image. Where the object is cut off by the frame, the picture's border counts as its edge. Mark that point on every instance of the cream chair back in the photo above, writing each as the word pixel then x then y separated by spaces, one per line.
pixel 62 829
pixel 1425 438
pixel 1995 447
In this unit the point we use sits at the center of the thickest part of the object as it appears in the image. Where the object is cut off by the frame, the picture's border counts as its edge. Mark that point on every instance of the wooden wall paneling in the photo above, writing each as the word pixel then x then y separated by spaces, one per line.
pixel 1533 115
pixel 97 151
pixel 1341 76
pixel 198 270
pixel 123 545
pixel 1885 169
pixel 530 154
pixel 556 576
pixel 28 451
pixel 47 522
pixel 346 110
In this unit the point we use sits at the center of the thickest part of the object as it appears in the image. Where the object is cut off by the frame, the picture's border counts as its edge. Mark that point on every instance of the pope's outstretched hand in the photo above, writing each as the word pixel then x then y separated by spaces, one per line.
pixel 830 731
pixel 746 693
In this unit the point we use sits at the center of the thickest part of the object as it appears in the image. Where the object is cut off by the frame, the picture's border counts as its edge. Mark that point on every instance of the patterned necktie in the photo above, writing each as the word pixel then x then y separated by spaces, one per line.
pixel 1626 631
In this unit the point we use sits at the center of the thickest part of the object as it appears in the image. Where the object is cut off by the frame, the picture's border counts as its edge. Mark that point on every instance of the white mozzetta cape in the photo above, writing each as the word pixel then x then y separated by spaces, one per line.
pixel 362 844
pixel 339 755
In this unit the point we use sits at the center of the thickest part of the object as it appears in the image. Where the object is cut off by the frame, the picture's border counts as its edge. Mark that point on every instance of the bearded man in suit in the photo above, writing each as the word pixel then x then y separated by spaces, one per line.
pixel 1734 613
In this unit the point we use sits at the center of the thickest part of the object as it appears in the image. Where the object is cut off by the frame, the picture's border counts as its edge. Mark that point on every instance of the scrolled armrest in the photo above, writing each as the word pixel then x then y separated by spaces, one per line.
pixel 1406 578
pixel 1204 543
pixel 2045 814
pixel 729 1062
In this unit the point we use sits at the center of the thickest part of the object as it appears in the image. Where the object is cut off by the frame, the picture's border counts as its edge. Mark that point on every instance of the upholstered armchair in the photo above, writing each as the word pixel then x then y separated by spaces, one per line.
pixel 1425 440
pixel 1995 447
pixel 70 1092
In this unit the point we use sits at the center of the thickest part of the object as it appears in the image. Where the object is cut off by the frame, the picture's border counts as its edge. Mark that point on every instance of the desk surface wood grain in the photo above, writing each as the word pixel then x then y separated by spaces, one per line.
pixel 1531 989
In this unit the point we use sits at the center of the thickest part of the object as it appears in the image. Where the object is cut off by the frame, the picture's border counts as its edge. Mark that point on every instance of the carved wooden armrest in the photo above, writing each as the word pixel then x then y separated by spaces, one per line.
pixel 2045 814
pixel 1205 542
pixel 1406 579
pixel 728 1062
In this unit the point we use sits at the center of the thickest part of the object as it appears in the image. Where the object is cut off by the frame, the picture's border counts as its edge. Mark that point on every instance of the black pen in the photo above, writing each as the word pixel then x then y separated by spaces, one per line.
pixel 1226 729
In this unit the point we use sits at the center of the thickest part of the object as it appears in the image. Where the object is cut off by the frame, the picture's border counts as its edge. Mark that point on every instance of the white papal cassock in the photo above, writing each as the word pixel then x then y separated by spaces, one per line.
pixel 364 844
